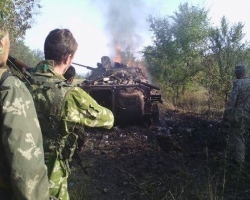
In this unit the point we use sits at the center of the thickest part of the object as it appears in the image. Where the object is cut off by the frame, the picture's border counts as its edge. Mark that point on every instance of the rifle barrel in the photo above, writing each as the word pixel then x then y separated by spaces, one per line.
pixel 88 67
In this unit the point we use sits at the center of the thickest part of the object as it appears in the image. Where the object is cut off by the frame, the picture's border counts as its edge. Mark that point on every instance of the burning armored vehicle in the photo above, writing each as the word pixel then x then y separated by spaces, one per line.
pixel 124 90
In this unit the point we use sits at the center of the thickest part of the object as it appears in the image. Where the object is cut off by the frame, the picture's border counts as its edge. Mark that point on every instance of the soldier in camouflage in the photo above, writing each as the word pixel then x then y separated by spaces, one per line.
pixel 237 113
pixel 61 108
pixel 23 173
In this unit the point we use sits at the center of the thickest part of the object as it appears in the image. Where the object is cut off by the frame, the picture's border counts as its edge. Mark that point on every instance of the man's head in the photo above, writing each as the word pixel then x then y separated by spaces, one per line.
pixel 240 71
pixel 4 43
pixel 60 46
pixel 70 74
pixel 106 63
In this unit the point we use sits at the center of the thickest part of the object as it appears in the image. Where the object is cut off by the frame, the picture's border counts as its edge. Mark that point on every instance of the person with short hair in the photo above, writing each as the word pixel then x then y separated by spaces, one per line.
pixel 23 173
pixel 106 62
pixel 61 108
pixel 237 114
pixel 70 74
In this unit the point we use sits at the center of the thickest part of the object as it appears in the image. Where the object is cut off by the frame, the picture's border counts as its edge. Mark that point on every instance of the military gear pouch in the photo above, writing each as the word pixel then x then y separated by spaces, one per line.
pixel 70 147
pixel 79 131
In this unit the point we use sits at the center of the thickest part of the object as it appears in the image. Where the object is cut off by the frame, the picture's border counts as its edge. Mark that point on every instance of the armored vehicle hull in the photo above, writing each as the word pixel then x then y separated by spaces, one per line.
pixel 131 99
pixel 130 104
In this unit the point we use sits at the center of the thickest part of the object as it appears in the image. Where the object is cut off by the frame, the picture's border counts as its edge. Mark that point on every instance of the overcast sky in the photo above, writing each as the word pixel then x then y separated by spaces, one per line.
pixel 98 25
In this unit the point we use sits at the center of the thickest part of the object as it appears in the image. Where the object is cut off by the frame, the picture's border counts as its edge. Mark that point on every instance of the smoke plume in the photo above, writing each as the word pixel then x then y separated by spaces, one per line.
pixel 124 23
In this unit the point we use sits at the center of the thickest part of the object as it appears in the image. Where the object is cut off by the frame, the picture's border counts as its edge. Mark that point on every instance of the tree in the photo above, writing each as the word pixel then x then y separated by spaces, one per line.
pixel 20 51
pixel 38 54
pixel 229 50
pixel 179 43
pixel 18 15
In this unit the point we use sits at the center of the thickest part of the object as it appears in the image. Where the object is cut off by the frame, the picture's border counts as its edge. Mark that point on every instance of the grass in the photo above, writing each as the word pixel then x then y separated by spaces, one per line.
pixel 197 101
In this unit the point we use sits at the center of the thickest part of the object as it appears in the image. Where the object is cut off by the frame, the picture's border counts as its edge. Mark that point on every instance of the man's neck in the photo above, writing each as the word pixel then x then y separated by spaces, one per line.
pixel 60 69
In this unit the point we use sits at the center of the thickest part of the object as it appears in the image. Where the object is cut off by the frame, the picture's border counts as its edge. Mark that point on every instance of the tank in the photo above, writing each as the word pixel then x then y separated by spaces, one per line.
pixel 126 92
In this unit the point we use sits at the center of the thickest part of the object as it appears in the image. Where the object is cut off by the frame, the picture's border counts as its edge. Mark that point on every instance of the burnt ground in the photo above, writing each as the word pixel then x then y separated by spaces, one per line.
pixel 182 157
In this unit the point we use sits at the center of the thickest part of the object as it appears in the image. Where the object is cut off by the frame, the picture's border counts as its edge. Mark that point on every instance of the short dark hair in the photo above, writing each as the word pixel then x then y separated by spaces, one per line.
pixel 71 72
pixel 240 69
pixel 106 62
pixel 58 44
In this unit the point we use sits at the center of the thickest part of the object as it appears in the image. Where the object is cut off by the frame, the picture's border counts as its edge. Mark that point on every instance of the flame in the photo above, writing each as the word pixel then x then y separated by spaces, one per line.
pixel 130 63
pixel 118 58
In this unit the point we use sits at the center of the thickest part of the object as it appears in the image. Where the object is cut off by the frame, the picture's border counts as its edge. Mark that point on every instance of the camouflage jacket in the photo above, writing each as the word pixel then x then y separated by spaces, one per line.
pixel 238 105
pixel 76 106
pixel 21 152
pixel 240 94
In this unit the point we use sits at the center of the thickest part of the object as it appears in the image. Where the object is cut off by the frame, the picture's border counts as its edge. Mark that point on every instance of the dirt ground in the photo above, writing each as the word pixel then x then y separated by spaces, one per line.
pixel 182 157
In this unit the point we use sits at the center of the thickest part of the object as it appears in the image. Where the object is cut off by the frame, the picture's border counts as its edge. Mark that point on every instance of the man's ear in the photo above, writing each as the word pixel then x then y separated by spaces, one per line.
pixel 67 59
pixel 71 79
pixel 1 47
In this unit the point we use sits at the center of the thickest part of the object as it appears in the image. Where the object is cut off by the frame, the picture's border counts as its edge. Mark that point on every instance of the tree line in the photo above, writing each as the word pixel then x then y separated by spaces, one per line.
pixel 188 53
pixel 18 16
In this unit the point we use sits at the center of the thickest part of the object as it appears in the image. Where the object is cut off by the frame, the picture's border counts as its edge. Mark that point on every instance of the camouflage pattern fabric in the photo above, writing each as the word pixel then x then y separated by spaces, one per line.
pixel 21 150
pixel 58 176
pixel 239 97
pixel 237 143
pixel 77 108
pixel 239 100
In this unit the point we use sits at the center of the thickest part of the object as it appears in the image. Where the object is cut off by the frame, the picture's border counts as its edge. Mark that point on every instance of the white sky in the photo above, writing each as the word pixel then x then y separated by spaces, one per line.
pixel 86 20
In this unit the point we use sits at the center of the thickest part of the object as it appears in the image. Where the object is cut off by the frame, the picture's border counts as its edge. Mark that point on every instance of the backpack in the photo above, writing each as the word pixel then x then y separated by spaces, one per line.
pixel 48 96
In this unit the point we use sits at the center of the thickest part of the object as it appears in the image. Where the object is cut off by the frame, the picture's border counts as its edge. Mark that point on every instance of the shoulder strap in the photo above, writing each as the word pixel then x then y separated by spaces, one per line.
pixel 4 73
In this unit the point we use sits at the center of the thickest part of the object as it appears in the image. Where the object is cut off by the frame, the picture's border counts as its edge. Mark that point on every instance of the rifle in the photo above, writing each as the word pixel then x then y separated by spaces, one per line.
pixel 18 68
pixel 17 64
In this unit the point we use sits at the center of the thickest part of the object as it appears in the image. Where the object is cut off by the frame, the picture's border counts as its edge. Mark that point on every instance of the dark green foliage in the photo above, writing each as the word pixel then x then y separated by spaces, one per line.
pixel 19 15
pixel 30 57
pixel 228 50
pixel 188 53
pixel 179 42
